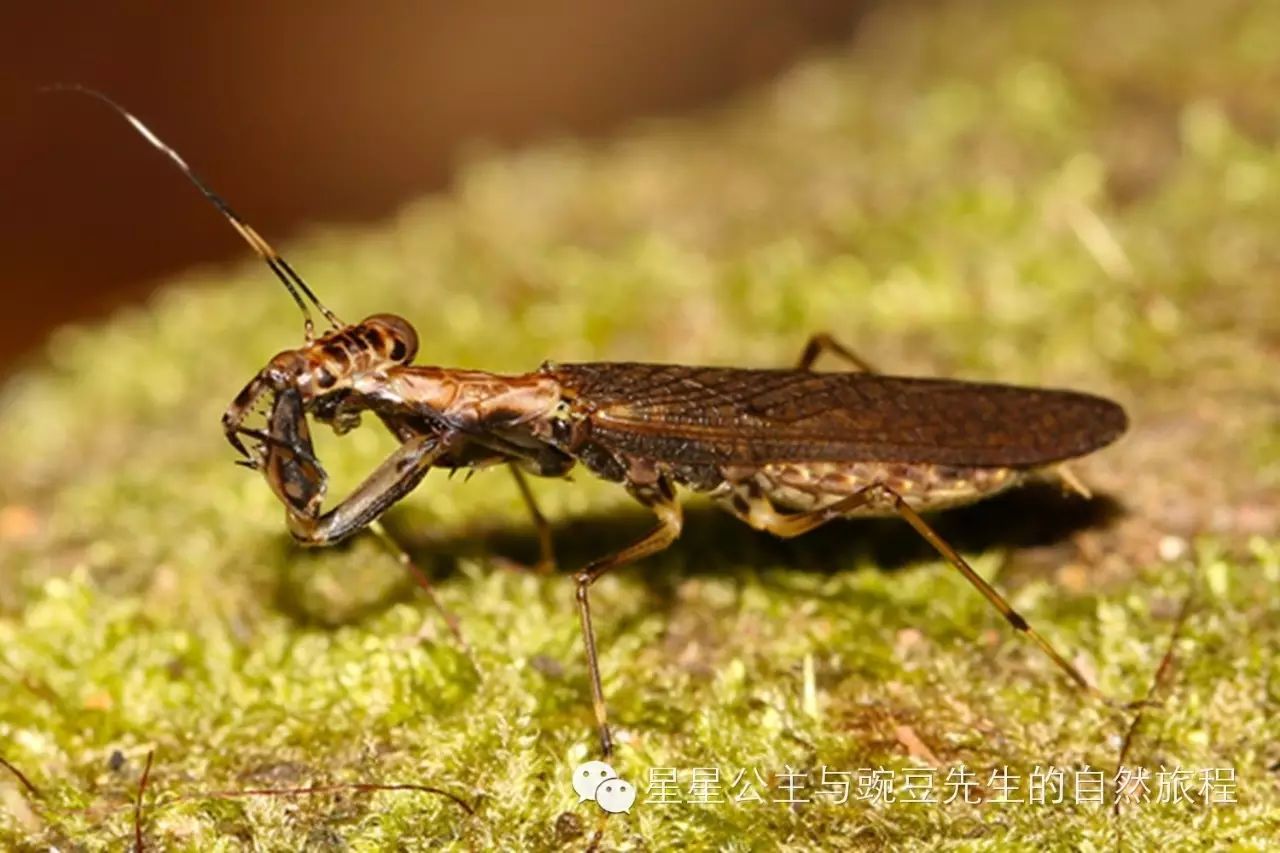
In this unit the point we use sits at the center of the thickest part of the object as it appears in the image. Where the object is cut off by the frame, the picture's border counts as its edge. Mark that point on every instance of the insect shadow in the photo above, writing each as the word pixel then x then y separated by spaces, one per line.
pixel 1038 517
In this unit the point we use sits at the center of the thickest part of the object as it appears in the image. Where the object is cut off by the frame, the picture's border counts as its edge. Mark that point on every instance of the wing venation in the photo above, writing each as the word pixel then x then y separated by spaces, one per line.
pixel 739 416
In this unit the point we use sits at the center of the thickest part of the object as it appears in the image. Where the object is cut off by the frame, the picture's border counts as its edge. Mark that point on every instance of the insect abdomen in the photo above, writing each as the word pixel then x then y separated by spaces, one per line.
pixel 798 487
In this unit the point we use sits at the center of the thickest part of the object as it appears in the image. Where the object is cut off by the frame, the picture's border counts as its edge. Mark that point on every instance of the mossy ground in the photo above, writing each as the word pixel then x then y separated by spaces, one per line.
pixel 1076 194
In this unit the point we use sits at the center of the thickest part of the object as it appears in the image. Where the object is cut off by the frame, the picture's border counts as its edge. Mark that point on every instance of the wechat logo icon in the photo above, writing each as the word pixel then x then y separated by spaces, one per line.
pixel 596 780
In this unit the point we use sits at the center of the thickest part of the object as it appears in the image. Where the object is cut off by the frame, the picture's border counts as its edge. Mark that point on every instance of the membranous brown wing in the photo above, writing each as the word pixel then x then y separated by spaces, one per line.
pixel 730 416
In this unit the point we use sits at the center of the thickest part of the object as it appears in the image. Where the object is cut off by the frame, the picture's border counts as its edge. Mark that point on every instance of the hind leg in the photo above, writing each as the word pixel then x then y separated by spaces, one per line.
pixel 823 342
pixel 760 513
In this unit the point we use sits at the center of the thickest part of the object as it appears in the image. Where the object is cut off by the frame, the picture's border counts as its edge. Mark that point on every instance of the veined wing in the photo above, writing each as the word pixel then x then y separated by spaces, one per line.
pixel 753 417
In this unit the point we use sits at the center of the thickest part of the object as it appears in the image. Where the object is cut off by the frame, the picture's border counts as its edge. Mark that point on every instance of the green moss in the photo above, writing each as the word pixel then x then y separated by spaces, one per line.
pixel 1080 194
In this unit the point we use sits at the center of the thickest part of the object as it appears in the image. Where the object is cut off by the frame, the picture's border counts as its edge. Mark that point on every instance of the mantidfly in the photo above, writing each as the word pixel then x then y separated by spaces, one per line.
pixel 783 450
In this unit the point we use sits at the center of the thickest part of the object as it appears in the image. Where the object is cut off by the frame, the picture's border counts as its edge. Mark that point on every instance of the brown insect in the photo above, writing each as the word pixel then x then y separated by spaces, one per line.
pixel 783 450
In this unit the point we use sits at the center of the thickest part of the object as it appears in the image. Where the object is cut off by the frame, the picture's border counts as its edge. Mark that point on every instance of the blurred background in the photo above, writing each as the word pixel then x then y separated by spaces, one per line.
pixel 305 113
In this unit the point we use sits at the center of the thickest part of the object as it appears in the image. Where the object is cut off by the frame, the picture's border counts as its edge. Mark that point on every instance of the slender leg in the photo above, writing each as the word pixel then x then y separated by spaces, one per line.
pixel 762 515
pixel 398 475
pixel 546 548
pixel 1071 481
pixel 287 461
pixel 670 521
pixel 402 557
pixel 823 342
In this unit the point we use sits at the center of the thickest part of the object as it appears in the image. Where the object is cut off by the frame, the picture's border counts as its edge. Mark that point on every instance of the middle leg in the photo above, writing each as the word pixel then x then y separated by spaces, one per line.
pixel 546 547
pixel 670 521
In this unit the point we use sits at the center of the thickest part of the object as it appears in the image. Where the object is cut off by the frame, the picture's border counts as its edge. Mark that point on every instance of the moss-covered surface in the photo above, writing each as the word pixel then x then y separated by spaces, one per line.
pixel 1081 194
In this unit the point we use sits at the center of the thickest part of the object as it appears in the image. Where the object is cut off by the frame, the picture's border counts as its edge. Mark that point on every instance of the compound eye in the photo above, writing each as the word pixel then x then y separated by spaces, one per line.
pixel 404 340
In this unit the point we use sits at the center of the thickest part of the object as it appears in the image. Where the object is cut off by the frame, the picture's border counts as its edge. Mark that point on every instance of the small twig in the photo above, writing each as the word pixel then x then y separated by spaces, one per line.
pixel 1162 674
pixel 26 783
pixel 593 846
pixel 916 748
pixel 137 803
pixel 359 787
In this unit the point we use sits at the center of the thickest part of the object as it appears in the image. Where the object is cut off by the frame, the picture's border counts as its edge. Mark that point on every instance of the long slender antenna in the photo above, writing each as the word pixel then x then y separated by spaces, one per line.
pixel 288 277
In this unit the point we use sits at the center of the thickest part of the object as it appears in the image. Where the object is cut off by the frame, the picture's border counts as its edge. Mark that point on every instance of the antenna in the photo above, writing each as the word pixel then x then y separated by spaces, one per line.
pixel 288 277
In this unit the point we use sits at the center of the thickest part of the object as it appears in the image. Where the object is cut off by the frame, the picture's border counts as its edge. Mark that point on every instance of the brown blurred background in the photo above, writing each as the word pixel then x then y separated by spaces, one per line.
pixel 304 113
